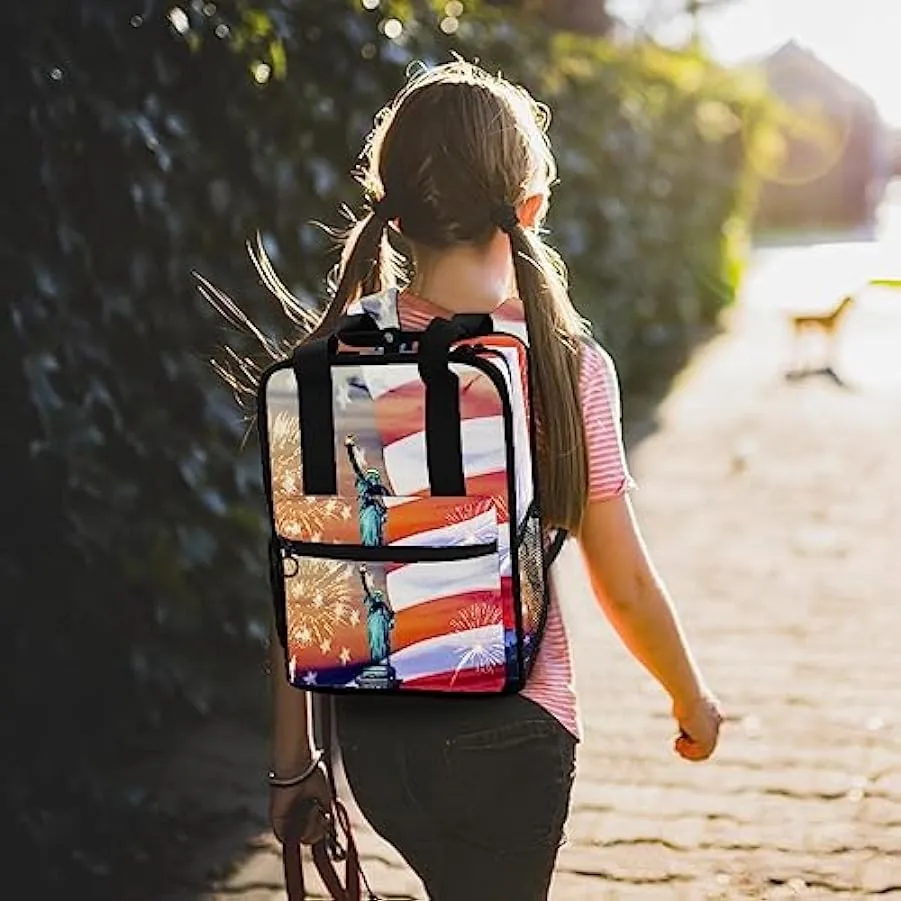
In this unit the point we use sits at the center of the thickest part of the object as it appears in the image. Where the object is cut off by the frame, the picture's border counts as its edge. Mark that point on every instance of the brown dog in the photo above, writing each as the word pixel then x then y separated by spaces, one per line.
pixel 826 324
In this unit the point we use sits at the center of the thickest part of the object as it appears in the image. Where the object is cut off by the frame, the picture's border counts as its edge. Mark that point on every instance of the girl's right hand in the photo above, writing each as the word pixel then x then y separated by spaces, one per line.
pixel 699 727
pixel 300 813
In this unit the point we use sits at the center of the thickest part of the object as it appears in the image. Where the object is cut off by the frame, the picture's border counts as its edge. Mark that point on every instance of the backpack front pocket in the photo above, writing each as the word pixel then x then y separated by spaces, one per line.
pixel 428 612
pixel 377 520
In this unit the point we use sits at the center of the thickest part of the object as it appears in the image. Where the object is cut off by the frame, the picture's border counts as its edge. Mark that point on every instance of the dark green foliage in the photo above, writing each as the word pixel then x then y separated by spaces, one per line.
pixel 141 144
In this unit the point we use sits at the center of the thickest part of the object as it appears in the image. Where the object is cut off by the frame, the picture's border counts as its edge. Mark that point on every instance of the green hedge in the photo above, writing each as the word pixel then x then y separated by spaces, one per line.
pixel 142 146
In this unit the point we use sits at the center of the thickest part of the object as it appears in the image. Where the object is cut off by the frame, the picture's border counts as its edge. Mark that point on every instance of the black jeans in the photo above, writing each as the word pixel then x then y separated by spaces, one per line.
pixel 473 793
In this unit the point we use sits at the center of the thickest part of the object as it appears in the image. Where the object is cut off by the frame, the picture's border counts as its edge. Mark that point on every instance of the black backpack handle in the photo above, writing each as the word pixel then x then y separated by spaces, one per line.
pixel 443 423
pixel 362 330
pixel 312 370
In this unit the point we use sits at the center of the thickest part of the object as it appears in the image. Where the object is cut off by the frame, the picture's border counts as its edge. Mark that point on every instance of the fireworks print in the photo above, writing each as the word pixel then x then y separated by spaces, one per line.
pixel 318 601
pixel 311 518
pixel 284 451
pixel 467 510
pixel 480 654
pixel 477 616
pixel 466 515
pixel 297 516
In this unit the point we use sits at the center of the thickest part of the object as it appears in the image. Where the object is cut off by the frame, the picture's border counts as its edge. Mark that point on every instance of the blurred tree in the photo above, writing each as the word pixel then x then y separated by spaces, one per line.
pixel 583 16
pixel 141 145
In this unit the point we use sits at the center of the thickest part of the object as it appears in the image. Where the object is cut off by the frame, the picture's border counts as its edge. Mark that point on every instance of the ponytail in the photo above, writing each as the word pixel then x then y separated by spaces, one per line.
pixel 367 266
pixel 555 330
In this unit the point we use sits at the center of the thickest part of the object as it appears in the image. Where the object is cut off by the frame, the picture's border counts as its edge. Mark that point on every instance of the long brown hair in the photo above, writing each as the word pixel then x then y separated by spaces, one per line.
pixel 453 147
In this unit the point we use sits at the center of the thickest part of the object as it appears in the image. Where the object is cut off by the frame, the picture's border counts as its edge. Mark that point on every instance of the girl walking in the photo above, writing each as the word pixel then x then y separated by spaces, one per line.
pixel 475 793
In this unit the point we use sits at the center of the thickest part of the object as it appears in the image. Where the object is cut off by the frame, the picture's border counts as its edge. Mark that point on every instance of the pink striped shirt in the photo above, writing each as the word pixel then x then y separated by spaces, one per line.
pixel 550 684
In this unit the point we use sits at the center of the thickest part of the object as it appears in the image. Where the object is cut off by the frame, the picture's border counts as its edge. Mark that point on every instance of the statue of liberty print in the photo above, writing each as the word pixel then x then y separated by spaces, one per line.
pixel 380 674
pixel 379 618
pixel 371 509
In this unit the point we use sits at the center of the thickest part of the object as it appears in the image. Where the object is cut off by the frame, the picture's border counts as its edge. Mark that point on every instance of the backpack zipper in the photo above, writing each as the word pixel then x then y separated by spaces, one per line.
pixel 386 553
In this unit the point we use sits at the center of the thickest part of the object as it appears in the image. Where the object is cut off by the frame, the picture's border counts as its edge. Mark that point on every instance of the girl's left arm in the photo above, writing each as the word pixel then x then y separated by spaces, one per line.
pixel 291 755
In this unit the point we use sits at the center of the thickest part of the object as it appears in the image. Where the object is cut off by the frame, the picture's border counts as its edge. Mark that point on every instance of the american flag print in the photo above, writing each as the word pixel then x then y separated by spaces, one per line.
pixel 363 606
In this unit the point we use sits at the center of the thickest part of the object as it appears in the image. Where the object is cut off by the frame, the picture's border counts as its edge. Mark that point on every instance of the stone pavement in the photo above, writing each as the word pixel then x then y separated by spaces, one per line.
pixel 773 511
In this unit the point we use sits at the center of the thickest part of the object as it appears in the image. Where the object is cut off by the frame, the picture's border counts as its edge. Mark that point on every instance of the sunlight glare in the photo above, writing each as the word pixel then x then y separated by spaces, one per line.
pixel 860 42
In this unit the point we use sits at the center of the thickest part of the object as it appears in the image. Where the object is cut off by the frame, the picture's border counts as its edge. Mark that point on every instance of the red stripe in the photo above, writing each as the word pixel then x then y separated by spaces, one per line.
pixel 491 485
pixel 399 412
pixel 433 619
pixel 427 514
pixel 487 679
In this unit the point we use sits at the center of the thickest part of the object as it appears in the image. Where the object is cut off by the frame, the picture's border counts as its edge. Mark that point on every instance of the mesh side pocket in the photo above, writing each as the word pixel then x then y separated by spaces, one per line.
pixel 533 590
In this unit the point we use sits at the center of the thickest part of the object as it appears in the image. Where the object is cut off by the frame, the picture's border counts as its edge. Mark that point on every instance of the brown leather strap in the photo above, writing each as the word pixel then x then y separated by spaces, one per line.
pixel 293 873
pixel 293 864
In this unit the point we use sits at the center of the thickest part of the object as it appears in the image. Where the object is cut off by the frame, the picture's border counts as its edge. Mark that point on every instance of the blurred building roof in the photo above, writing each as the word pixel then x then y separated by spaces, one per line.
pixel 795 71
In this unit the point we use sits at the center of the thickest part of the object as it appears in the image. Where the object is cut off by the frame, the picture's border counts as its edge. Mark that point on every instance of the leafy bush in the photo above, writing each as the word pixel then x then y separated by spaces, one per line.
pixel 143 146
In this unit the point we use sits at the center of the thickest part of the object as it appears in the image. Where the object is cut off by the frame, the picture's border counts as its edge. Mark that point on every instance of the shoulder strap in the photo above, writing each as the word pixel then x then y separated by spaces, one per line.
pixel 554 548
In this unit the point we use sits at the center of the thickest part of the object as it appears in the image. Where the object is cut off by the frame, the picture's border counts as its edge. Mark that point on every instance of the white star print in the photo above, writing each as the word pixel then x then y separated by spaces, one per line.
pixel 342 395
pixel 386 308
pixel 325 645
pixel 344 656
pixel 310 678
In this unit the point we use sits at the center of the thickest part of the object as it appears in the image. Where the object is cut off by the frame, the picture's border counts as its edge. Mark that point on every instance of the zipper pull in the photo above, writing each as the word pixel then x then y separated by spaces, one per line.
pixel 287 557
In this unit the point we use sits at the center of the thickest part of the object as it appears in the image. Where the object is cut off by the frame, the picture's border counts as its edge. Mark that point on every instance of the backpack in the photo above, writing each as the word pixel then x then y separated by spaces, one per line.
pixel 407 551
